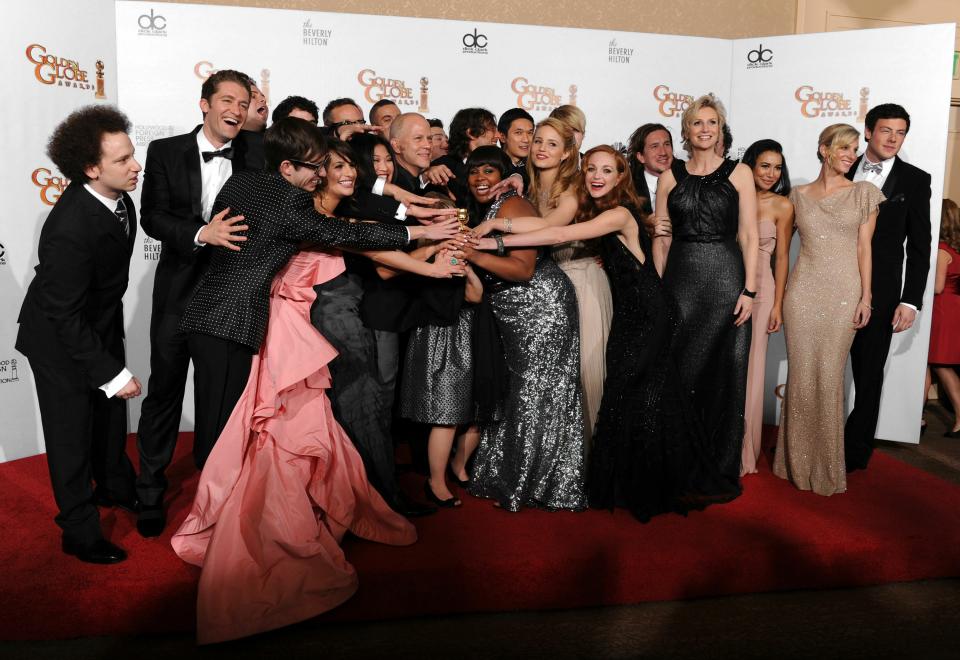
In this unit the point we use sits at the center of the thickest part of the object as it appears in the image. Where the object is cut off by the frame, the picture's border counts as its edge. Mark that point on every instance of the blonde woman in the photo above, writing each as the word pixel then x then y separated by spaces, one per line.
pixel 710 266
pixel 828 299
pixel 555 183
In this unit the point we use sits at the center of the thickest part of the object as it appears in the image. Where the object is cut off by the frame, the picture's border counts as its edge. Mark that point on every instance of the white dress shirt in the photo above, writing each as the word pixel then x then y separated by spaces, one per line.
pixel 212 177
pixel 652 182
pixel 117 382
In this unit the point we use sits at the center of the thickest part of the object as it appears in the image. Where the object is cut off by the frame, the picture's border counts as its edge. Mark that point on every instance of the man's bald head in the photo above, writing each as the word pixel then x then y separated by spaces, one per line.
pixel 410 137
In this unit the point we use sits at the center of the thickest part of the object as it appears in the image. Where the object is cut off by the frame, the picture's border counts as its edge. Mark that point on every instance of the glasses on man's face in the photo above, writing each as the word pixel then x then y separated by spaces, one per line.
pixel 355 122
pixel 316 167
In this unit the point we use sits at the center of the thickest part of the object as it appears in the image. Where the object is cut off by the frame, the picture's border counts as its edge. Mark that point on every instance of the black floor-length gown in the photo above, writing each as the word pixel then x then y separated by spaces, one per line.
pixel 705 275
pixel 650 451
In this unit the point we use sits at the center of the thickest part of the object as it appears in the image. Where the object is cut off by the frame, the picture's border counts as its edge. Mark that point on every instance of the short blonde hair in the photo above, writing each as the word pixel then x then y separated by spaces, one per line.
pixel 708 100
pixel 836 136
pixel 572 116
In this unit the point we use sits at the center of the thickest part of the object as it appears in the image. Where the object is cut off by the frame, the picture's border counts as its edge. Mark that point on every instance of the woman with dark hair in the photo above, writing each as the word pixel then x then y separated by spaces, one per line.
pixel 361 397
pixel 470 128
pixel 555 188
pixel 944 354
pixel 649 451
pixel 775 229
pixel 711 205
pixel 531 440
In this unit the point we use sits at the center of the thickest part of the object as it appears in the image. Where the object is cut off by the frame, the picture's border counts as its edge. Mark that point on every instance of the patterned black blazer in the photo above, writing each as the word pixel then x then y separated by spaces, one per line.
pixel 232 298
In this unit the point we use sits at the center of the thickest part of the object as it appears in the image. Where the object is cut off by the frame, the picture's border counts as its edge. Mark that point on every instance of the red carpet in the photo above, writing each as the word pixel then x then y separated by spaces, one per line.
pixel 895 523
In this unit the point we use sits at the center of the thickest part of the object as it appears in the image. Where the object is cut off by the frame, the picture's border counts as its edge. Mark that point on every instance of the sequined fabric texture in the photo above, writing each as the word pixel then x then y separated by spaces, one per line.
pixel 437 382
pixel 649 451
pixel 822 295
pixel 534 454
pixel 705 276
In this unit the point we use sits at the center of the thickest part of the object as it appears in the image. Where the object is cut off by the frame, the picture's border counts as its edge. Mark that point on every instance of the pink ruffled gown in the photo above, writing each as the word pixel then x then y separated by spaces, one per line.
pixel 283 483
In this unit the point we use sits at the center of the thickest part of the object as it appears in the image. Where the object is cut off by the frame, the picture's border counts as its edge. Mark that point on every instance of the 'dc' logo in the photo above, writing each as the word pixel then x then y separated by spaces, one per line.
pixel 759 54
pixel 151 21
pixel 474 40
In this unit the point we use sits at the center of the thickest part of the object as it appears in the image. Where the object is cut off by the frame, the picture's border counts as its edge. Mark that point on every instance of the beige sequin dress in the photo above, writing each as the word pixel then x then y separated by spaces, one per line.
pixel 822 295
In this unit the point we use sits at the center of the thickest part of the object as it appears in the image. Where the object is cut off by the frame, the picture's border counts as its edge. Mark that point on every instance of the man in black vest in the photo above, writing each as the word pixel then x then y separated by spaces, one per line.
pixel 71 327
pixel 183 176
pixel 904 217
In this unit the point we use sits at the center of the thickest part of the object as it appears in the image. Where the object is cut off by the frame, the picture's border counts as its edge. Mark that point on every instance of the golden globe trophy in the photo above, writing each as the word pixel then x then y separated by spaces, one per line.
pixel 463 219
pixel 265 85
pixel 424 105
pixel 101 93
pixel 864 102
pixel 573 94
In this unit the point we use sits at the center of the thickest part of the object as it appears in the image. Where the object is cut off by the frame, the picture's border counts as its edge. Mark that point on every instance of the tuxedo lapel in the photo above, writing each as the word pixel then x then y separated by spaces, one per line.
pixel 191 164
pixel 853 170
pixel 890 184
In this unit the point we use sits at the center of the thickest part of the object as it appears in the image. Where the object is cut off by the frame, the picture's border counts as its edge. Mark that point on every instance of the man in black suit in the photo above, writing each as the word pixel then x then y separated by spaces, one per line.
pixel 469 129
pixel 904 217
pixel 226 318
pixel 296 106
pixel 515 133
pixel 71 327
pixel 183 175
pixel 651 154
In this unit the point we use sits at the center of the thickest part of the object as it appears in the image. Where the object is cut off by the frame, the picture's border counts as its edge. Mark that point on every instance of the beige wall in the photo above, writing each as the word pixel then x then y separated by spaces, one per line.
pixel 728 19
pixel 831 15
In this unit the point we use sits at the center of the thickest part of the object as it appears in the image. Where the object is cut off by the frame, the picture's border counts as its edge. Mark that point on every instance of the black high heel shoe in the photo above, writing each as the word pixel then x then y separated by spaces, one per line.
pixel 463 483
pixel 450 503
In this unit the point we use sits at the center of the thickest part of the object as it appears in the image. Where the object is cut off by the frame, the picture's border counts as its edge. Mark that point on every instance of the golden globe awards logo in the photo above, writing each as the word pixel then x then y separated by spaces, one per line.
pixel 617 54
pixel 672 104
pixel 50 69
pixel 51 185
pixel 539 97
pixel 377 87
pixel 8 371
pixel 315 36
pixel 815 103
pixel 204 69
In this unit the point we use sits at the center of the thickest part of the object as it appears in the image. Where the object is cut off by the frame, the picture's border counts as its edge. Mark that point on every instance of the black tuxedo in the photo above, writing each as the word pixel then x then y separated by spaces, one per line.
pixel 71 330
pixel 643 190
pixel 172 213
pixel 457 186
pixel 227 315
pixel 903 217
pixel 409 182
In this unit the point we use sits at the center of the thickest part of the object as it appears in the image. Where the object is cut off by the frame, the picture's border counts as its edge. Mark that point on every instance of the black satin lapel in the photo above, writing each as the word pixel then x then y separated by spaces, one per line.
pixel 852 172
pixel 191 161
pixel 890 184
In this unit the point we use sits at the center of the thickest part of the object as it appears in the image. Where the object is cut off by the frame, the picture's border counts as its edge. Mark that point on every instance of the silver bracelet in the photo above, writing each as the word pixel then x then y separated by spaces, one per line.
pixel 507 226
pixel 501 250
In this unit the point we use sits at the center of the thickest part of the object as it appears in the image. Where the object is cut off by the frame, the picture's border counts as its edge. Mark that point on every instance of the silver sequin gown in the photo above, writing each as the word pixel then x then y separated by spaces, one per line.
pixel 534 454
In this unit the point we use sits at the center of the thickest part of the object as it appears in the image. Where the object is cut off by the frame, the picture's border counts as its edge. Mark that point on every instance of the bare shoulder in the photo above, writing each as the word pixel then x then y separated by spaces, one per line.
pixel 517 207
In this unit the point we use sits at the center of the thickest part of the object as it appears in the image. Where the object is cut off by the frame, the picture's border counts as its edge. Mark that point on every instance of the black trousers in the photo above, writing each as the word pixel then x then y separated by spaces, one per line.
pixel 160 414
pixel 221 368
pixel 85 435
pixel 868 356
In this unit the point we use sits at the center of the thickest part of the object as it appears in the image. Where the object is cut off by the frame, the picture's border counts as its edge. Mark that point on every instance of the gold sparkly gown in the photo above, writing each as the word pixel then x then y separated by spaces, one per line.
pixel 822 295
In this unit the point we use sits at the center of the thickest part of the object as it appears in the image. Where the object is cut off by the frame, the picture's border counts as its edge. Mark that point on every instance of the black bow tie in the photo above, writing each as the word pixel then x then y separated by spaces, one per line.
pixel 223 153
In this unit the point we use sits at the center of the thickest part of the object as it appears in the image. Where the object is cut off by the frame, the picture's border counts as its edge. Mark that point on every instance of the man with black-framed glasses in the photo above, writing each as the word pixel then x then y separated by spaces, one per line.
pixel 226 318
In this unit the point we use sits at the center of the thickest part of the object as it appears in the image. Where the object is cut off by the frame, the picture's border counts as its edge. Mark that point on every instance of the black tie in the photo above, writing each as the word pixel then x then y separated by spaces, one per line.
pixel 121 214
pixel 222 153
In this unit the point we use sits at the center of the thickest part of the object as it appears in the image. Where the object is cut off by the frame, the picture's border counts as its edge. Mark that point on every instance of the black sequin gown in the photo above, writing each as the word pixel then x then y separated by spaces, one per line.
pixel 705 275
pixel 650 451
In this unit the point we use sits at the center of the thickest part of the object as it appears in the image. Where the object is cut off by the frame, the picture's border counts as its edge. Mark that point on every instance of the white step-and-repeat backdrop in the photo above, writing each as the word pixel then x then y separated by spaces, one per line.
pixel 788 88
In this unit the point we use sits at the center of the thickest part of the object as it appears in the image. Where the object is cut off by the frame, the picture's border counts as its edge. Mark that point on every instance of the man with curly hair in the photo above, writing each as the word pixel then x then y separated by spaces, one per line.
pixel 71 327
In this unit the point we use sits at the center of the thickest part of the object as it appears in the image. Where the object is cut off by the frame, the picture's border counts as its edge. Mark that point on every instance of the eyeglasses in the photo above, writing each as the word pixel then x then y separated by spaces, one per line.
pixel 355 122
pixel 316 167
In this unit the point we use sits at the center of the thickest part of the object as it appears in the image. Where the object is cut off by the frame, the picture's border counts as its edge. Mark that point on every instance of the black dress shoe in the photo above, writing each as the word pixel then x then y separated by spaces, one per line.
pixel 151 520
pixel 448 503
pixel 106 500
pixel 463 483
pixel 411 508
pixel 98 552
pixel 952 434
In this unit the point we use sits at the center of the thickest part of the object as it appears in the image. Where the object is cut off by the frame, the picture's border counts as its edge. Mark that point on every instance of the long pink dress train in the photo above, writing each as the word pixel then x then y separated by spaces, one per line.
pixel 283 484
pixel 756 369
